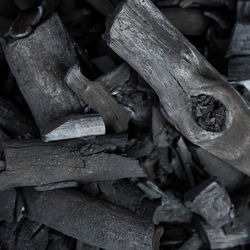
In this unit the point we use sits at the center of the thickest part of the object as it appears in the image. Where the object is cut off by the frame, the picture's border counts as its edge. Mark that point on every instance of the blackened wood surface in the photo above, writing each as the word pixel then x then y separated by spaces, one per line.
pixel 33 163
pixel 142 36
pixel 93 221
pixel 39 63
pixel 93 93
pixel 74 126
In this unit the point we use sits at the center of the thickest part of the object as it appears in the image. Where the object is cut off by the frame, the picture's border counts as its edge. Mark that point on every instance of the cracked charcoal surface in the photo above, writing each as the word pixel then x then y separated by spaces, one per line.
pixel 209 113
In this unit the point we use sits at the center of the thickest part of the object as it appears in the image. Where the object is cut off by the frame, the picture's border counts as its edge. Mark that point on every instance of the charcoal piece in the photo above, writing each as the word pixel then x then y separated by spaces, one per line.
pixel 33 163
pixel 211 201
pixel 74 126
pixel 8 205
pixel 176 71
pixel 240 43
pixel 160 129
pixel 126 194
pixel 93 93
pixel 239 69
pixel 209 113
pixel 186 160
pixel 91 220
pixel 105 7
pixel 171 209
pixel 126 88
pixel 13 121
pixel 190 22
pixel 27 4
pixel 41 83
pixel 117 77
pixel 229 177
pixel 235 233
pixel 193 243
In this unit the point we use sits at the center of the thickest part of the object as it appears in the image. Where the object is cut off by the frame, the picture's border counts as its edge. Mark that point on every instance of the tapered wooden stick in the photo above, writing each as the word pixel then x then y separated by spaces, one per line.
pixel 197 100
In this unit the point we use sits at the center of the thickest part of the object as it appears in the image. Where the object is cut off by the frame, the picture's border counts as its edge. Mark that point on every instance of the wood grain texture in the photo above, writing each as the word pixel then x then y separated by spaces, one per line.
pixel 33 163
pixel 74 126
pixel 143 37
pixel 93 221
pixel 39 63
pixel 93 93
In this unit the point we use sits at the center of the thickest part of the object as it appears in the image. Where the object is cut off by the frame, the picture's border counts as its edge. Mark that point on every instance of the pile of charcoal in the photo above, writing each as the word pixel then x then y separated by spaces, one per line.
pixel 124 125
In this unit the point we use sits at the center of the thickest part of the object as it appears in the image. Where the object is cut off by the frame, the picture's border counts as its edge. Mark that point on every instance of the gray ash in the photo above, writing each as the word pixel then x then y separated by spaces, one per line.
pixel 209 113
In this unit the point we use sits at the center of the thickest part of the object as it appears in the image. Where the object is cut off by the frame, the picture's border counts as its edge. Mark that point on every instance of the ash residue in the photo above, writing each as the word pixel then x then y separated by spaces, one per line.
pixel 209 113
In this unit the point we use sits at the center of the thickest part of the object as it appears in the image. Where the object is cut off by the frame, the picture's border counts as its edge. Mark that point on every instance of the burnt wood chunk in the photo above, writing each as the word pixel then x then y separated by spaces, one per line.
pixel 183 80
pixel 93 93
pixel 93 221
pixel 74 126
pixel 211 201
pixel 39 63
pixel 33 163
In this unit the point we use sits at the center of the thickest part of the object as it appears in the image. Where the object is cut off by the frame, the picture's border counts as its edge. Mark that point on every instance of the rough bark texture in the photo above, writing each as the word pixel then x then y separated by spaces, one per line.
pixel 93 221
pixel 39 63
pixel 142 36
pixel 33 163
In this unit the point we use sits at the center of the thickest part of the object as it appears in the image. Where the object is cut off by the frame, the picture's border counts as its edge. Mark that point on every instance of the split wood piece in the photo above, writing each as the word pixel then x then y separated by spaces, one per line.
pixel 237 232
pixel 8 205
pixel 210 201
pixel 93 93
pixel 14 121
pixel 33 163
pixel 190 21
pixel 74 126
pixel 196 98
pixel 116 77
pixel 171 209
pixel 83 246
pixel 229 177
pixel 93 221
pixel 39 63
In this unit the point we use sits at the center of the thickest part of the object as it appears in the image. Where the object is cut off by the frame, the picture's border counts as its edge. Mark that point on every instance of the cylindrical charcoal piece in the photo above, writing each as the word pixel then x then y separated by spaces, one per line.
pixel 34 163
pixel 196 99
pixel 39 63
pixel 93 221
